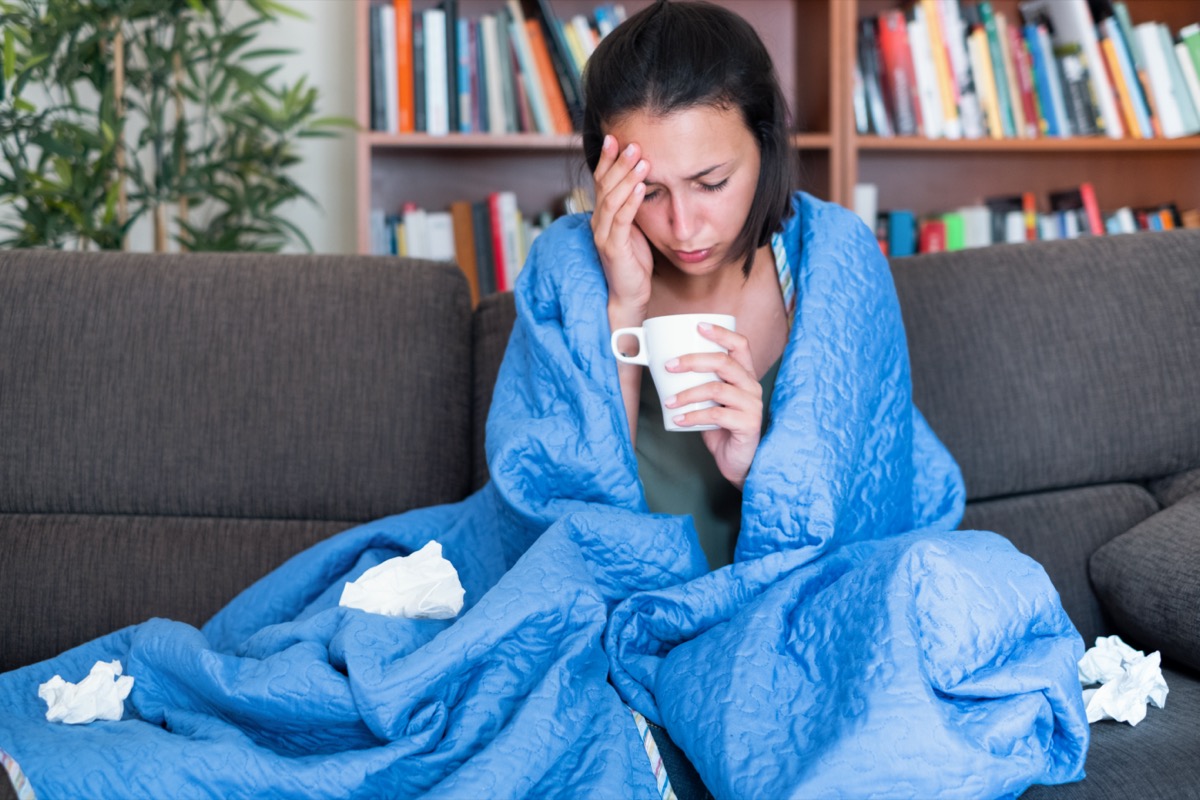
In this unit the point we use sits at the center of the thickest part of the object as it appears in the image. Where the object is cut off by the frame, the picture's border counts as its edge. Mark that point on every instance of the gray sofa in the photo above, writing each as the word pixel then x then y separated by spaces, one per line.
pixel 174 426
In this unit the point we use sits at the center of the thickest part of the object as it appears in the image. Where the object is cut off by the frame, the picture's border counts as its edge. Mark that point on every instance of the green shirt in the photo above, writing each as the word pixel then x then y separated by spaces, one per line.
pixel 680 476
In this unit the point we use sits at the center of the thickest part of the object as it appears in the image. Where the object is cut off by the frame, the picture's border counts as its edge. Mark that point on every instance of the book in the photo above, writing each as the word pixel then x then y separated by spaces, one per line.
pixel 1020 80
pixel 901 233
pixel 1007 217
pixel 387 16
pixel 439 236
pixel 557 104
pixel 1190 76
pixel 419 84
pixel 1188 110
pixel 1075 76
pixel 402 64
pixel 935 28
pixel 529 76
pixel 956 230
pixel 492 75
pixel 931 235
pixel 450 43
pixel 898 74
pixel 481 227
pixel 1078 211
pixel 1162 89
pixel 985 81
pixel 1112 30
pixel 378 83
pixel 1070 23
pixel 868 54
pixel 954 29
pixel 1124 98
pixel 1189 35
pixel 437 80
pixel 509 80
pixel 1049 91
pixel 567 72
pixel 928 94
pixel 999 68
pixel 866 203
pixel 464 245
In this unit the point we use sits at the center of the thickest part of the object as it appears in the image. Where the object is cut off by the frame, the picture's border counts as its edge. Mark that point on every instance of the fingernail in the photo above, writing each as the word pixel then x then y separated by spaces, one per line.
pixel 629 151
pixel 671 400
pixel 672 364
pixel 641 166
pixel 608 142
pixel 706 326
pixel 677 420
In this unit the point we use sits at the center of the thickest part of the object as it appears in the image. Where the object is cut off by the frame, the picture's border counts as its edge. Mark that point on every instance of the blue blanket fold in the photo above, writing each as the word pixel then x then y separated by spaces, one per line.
pixel 857 645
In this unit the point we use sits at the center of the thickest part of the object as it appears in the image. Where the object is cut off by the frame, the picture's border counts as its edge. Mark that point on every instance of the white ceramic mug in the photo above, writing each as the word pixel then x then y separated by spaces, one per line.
pixel 662 338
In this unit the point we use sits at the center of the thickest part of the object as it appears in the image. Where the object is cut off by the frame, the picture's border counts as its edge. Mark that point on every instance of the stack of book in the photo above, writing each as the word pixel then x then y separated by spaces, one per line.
pixel 961 69
pixel 489 239
pixel 513 70
pixel 1071 213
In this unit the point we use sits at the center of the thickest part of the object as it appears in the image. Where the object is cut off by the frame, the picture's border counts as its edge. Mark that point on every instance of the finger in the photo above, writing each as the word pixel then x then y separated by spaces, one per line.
pixel 739 424
pixel 726 367
pixel 616 190
pixel 737 344
pixel 726 394
pixel 608 156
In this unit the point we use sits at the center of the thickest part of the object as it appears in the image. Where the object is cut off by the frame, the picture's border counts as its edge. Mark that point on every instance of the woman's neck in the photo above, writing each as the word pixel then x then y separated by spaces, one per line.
pixel 726 291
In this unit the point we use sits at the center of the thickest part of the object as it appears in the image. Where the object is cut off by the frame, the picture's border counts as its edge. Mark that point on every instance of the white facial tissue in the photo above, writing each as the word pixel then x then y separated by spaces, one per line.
pixel 423 585
pixel 101 695
pixel 1128 679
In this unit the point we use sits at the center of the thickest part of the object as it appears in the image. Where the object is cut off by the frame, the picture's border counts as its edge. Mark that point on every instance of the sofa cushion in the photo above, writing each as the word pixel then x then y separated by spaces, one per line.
pixel 1154 760
pixel 68 578
pixel 237 385
pixel 1060 530
pixel 1149 581
pixel 1062 363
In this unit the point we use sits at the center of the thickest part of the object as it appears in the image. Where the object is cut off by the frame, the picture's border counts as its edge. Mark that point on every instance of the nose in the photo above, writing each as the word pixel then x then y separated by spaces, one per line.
pixel 683 218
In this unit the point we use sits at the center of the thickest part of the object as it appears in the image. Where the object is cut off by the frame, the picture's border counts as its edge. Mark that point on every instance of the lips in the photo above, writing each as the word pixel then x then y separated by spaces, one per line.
pixel 693 256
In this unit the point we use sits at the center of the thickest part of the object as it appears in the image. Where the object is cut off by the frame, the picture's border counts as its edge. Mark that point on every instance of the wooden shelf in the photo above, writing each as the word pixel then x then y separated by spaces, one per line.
pixel 1096 144
pixel 813 45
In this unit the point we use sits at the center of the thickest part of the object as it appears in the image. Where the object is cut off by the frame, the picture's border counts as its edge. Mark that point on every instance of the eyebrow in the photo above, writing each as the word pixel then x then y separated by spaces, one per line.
pixel 702 173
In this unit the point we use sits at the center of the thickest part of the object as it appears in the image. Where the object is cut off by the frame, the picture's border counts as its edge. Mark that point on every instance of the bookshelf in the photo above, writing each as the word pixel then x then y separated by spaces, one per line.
pixel 931 175
pixel 813 43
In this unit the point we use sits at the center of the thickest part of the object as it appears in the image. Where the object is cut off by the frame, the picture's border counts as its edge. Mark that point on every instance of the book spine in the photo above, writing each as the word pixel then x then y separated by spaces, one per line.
pixel 496 229
pixel 1190 77
pixel 387 16
pixel 463 67
pixel 985 82
pixel 402 14
pixel 528 68
pixel 1165 106
pixel 1016 100
pixel 492 75
pixel 1091 209
pixel 1118 81
pixel 419 80
pixel 868 51
pixel 378 84
pixel 947 84
pixel 900 89
pixel 437 84
pixel 1048 117
pixel 1187 110
pixel 926 78
pixel 450 49
pixel 568 75
pixel 999 73
pixel 556 103
pixel 510 78
pixel 1190 36
pixel 1137 98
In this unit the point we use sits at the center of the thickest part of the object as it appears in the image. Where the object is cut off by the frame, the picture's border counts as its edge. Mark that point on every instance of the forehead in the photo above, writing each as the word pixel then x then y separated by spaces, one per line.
pixel 684 141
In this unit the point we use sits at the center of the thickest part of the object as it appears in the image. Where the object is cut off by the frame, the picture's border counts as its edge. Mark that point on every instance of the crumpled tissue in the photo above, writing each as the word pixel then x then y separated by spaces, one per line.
pixel 1128 679
pixel 423 585
pixel 101 695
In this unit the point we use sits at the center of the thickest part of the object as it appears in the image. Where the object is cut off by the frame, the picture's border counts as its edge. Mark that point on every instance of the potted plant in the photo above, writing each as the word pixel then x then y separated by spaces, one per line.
pixel 113 111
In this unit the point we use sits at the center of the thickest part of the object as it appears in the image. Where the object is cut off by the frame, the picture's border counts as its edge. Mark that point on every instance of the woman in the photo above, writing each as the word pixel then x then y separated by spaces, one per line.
pixel 693 168
pixel 857 645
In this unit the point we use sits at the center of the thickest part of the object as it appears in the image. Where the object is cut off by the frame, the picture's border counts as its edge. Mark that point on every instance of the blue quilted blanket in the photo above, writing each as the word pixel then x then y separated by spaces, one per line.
pixel 859 645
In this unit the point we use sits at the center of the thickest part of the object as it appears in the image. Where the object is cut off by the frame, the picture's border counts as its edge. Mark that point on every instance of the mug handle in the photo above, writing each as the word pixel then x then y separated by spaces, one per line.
pixel 640 358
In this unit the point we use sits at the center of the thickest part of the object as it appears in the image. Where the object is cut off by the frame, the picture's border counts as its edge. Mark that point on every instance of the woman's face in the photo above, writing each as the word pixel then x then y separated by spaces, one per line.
pixel 704 165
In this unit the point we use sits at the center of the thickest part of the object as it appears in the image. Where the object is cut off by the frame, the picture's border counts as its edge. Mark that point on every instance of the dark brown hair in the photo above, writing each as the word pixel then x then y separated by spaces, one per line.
pixel 673 56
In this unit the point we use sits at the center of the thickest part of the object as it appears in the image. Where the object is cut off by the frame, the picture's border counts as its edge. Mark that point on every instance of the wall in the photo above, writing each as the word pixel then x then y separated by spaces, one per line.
pixel 324 44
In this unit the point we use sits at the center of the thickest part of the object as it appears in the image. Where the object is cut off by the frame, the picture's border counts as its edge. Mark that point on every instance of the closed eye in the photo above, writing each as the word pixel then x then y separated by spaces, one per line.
pixel 714 187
